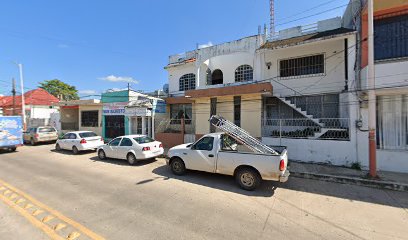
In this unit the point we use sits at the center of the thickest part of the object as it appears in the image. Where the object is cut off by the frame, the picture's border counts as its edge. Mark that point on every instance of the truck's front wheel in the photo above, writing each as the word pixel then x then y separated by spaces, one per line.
pixel 248 178
pixel 177 166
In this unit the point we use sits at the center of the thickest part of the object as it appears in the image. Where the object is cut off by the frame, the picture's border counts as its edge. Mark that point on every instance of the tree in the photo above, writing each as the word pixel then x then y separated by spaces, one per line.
pixel 60 89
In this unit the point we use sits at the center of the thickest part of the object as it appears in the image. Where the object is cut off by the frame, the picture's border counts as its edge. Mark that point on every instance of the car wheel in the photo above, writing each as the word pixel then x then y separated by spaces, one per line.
pixel 101 154
pixel 177 166
pixel 131 159
pixel 32 142
pixel 57 147
pixel 12 149
pixel 248 178
pixel 75 150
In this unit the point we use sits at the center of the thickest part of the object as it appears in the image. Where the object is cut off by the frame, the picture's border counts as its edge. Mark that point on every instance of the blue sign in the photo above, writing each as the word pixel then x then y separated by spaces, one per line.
pixel 11 131
pixel 160 107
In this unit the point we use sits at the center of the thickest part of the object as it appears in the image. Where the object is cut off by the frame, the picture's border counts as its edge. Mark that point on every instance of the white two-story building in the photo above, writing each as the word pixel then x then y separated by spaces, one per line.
pixel 302 88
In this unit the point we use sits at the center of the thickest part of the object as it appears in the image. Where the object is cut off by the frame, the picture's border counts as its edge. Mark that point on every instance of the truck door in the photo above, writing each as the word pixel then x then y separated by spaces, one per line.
pixel 202 156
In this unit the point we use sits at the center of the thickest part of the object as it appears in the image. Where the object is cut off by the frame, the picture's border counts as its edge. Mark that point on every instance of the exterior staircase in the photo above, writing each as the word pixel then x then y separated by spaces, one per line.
pixel 299 110
pixel 321 127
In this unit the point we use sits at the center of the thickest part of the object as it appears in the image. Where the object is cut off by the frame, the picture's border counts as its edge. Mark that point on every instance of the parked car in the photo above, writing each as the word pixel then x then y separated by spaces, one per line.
pixel 219 153
pixel 131 148
pixel 11 133
pixel 40 134
pixel 79 141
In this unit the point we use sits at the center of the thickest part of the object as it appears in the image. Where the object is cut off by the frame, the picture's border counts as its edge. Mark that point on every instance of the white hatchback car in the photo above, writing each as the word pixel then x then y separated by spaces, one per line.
pixel 79 141
pixel 131 148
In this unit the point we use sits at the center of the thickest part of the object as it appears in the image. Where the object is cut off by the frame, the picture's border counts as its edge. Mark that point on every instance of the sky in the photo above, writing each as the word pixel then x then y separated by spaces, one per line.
pixel 97 45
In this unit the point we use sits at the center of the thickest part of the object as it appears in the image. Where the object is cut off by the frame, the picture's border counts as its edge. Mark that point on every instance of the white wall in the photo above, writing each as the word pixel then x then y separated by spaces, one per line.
pixel 333 80
pixel 42 111
pixel 226 57
pixel 174 74
pixel 387 74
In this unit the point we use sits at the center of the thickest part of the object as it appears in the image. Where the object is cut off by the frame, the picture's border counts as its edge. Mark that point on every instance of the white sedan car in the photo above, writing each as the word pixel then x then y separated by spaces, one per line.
pixel 131 148
pixel 79 141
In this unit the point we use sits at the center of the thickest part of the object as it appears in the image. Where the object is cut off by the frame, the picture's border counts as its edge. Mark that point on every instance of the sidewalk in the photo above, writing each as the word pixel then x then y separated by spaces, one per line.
pixel 386 180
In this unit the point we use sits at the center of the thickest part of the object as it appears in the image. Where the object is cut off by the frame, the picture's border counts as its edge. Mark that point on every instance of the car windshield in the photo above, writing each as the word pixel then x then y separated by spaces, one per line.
pixel 87 134
pixel 44 130
pixel 142 140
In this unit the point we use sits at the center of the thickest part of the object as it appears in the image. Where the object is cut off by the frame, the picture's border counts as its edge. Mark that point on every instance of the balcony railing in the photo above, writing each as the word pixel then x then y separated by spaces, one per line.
pixel 331 129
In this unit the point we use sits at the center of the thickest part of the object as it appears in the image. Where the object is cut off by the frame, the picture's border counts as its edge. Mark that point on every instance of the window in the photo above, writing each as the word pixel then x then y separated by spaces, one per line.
pixel 187 82
pixel 392 122
pixel 217 77
pixel 142 140
pixel 237 110
pixel 244 73
pixel 89 119
pixel 126 142
pixel 302 66
pixel 179 111
pixel 391 37
pixel 66 136
pixel 205 144
pixel 46 130
pixel 72 136
pixel 87 134
pixel 115 142
pixel 228 143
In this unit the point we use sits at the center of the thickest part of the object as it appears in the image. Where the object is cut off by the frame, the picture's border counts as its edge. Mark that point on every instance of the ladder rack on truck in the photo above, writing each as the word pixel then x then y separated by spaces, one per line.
pixel 240 135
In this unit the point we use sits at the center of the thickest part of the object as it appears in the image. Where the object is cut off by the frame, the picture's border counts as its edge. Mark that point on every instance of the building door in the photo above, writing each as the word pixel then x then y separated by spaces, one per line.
pixel 114 126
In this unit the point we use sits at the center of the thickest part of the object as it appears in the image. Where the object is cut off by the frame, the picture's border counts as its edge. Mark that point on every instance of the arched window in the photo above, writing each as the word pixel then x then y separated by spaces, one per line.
pixel 244 73
pixel 217 77
pixel 187 82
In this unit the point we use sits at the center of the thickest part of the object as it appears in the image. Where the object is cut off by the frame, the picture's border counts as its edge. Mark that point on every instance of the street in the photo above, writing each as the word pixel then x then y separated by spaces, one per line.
pixel 147 201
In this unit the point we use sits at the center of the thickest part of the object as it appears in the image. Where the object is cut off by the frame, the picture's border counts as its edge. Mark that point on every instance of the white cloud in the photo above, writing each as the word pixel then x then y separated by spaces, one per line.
pixel 209 44
pixel 87 92
pixel 61 45
pixel 113 78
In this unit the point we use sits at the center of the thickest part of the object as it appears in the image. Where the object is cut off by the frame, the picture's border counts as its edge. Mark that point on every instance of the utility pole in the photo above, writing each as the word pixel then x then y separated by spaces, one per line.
pixel 372 121
pixel 13 92
pixel 23 114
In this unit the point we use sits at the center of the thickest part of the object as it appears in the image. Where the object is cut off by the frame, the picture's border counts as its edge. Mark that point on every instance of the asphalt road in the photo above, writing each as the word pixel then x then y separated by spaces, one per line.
pixel 146 201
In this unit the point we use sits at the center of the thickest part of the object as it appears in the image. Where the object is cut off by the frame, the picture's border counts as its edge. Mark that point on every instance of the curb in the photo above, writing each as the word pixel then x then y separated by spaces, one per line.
pixel 353 180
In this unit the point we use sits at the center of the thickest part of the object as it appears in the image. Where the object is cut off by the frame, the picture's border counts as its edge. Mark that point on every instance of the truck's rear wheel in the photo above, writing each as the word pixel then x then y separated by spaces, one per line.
pixel 177 166
pixel 248 178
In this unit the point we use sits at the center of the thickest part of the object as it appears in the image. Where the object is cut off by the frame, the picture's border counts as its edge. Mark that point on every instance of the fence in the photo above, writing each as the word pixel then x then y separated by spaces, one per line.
pixel 325 128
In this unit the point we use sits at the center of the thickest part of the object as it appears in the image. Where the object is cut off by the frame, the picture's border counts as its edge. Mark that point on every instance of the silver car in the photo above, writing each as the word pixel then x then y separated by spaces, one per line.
pixel 40 134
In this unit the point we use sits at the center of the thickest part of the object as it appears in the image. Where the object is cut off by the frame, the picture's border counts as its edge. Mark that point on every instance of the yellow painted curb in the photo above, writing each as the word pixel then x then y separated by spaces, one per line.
pixel 29 202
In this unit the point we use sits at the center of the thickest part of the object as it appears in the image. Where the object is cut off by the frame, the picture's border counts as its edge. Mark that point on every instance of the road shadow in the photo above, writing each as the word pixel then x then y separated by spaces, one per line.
pixel 217 181
pixel 39 144
pixel 347 191
pixel 122 162
pixel 67 152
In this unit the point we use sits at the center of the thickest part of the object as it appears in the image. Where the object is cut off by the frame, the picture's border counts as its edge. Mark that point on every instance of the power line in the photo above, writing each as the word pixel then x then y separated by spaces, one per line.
pixel 313 15
pixel 308 10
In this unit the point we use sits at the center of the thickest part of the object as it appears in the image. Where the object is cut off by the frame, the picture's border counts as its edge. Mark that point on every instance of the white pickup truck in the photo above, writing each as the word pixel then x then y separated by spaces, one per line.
pixel 220 153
